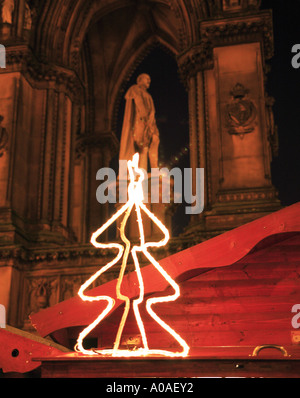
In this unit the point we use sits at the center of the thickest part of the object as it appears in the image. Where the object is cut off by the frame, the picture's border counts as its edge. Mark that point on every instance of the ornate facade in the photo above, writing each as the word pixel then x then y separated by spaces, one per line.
pixel 67 63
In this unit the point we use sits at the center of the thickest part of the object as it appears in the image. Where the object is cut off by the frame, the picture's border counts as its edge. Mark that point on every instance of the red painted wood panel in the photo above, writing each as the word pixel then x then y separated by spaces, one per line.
pixel 221 251
pixel 228 306
pixel 19 347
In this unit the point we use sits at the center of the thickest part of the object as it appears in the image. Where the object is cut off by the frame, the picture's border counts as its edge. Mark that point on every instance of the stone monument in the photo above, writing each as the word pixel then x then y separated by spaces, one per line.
pixel 139 131
pixel 140 134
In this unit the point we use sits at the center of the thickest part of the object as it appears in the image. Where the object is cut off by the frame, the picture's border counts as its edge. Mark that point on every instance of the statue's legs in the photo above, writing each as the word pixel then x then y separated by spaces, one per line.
pixel 153 151
pixel 143 163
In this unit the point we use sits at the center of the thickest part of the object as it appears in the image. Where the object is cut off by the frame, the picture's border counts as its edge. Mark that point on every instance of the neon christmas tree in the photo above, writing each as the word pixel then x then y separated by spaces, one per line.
pixel 134 203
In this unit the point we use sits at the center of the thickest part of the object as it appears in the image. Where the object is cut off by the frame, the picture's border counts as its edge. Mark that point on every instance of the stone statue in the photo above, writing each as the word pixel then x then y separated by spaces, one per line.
pixel 140 133
pixel 8 7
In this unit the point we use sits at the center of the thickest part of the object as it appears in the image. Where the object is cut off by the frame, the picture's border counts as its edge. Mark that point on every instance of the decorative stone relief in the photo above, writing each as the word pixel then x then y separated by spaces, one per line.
pixel 197 58
pixel 240 112
pixel 231 5
pixel 236 5
pixel 41 293
pixel 70 285
pixel 236 31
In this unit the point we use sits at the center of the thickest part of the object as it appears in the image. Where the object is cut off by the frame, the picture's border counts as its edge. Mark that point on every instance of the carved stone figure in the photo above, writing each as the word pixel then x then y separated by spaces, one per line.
pixel 8 7
pixel 140 133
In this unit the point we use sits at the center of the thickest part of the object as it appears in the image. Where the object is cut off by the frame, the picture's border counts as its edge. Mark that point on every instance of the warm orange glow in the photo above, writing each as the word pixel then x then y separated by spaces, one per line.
pixel 135 199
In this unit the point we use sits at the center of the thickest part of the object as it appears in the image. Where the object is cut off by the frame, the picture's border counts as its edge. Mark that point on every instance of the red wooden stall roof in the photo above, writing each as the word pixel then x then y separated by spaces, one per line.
pixel 223 250
pixel 18 348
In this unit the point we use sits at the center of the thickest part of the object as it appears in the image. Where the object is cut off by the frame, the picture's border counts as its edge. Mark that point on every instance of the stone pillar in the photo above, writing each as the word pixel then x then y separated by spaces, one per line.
pixel 231 120
pixel 98 149
pixel 94 209
pixel 56 165
pixel 20 17
pixel 192 66
pixel 10 96
pixel 36 148
pixel 37 131
pixel 48 150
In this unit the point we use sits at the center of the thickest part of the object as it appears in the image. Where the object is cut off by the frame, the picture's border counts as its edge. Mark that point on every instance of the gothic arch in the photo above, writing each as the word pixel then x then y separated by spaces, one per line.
pixel 128 47
pixel 63 25
pixel 119 87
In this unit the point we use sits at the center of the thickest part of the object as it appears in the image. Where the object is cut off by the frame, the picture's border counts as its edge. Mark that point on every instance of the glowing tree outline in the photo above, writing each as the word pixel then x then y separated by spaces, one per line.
pixel 135 199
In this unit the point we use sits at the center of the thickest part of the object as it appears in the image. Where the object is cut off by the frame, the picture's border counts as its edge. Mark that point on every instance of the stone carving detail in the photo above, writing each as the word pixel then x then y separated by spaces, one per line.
pixel 41 73
pixel 236 5
pixel 231 32
pixel 46 291
pixel 3 138
pixel 272 130
pixel 244 196
pixel 8 7
pixel 41 294
pixel 197 58
pixel 70 286
pixel 240 112
pixel 231 5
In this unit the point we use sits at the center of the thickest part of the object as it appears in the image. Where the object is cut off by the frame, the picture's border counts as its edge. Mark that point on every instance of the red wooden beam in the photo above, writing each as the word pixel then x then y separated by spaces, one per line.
pixel 221 363
pixel 18 348
pixel 220 251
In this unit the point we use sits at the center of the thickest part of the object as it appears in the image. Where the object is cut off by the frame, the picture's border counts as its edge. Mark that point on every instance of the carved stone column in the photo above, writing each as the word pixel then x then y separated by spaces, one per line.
pixel 192 65
pixel 56 165
pixel 37 102
pixel 97 151
pixel 231 120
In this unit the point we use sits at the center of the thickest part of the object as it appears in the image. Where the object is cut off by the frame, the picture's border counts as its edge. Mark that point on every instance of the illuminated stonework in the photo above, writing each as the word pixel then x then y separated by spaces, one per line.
pixel 135 202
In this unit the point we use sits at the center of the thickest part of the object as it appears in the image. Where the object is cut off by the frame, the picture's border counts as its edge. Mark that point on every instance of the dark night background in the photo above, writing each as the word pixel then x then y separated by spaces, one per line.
pixel 283 83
